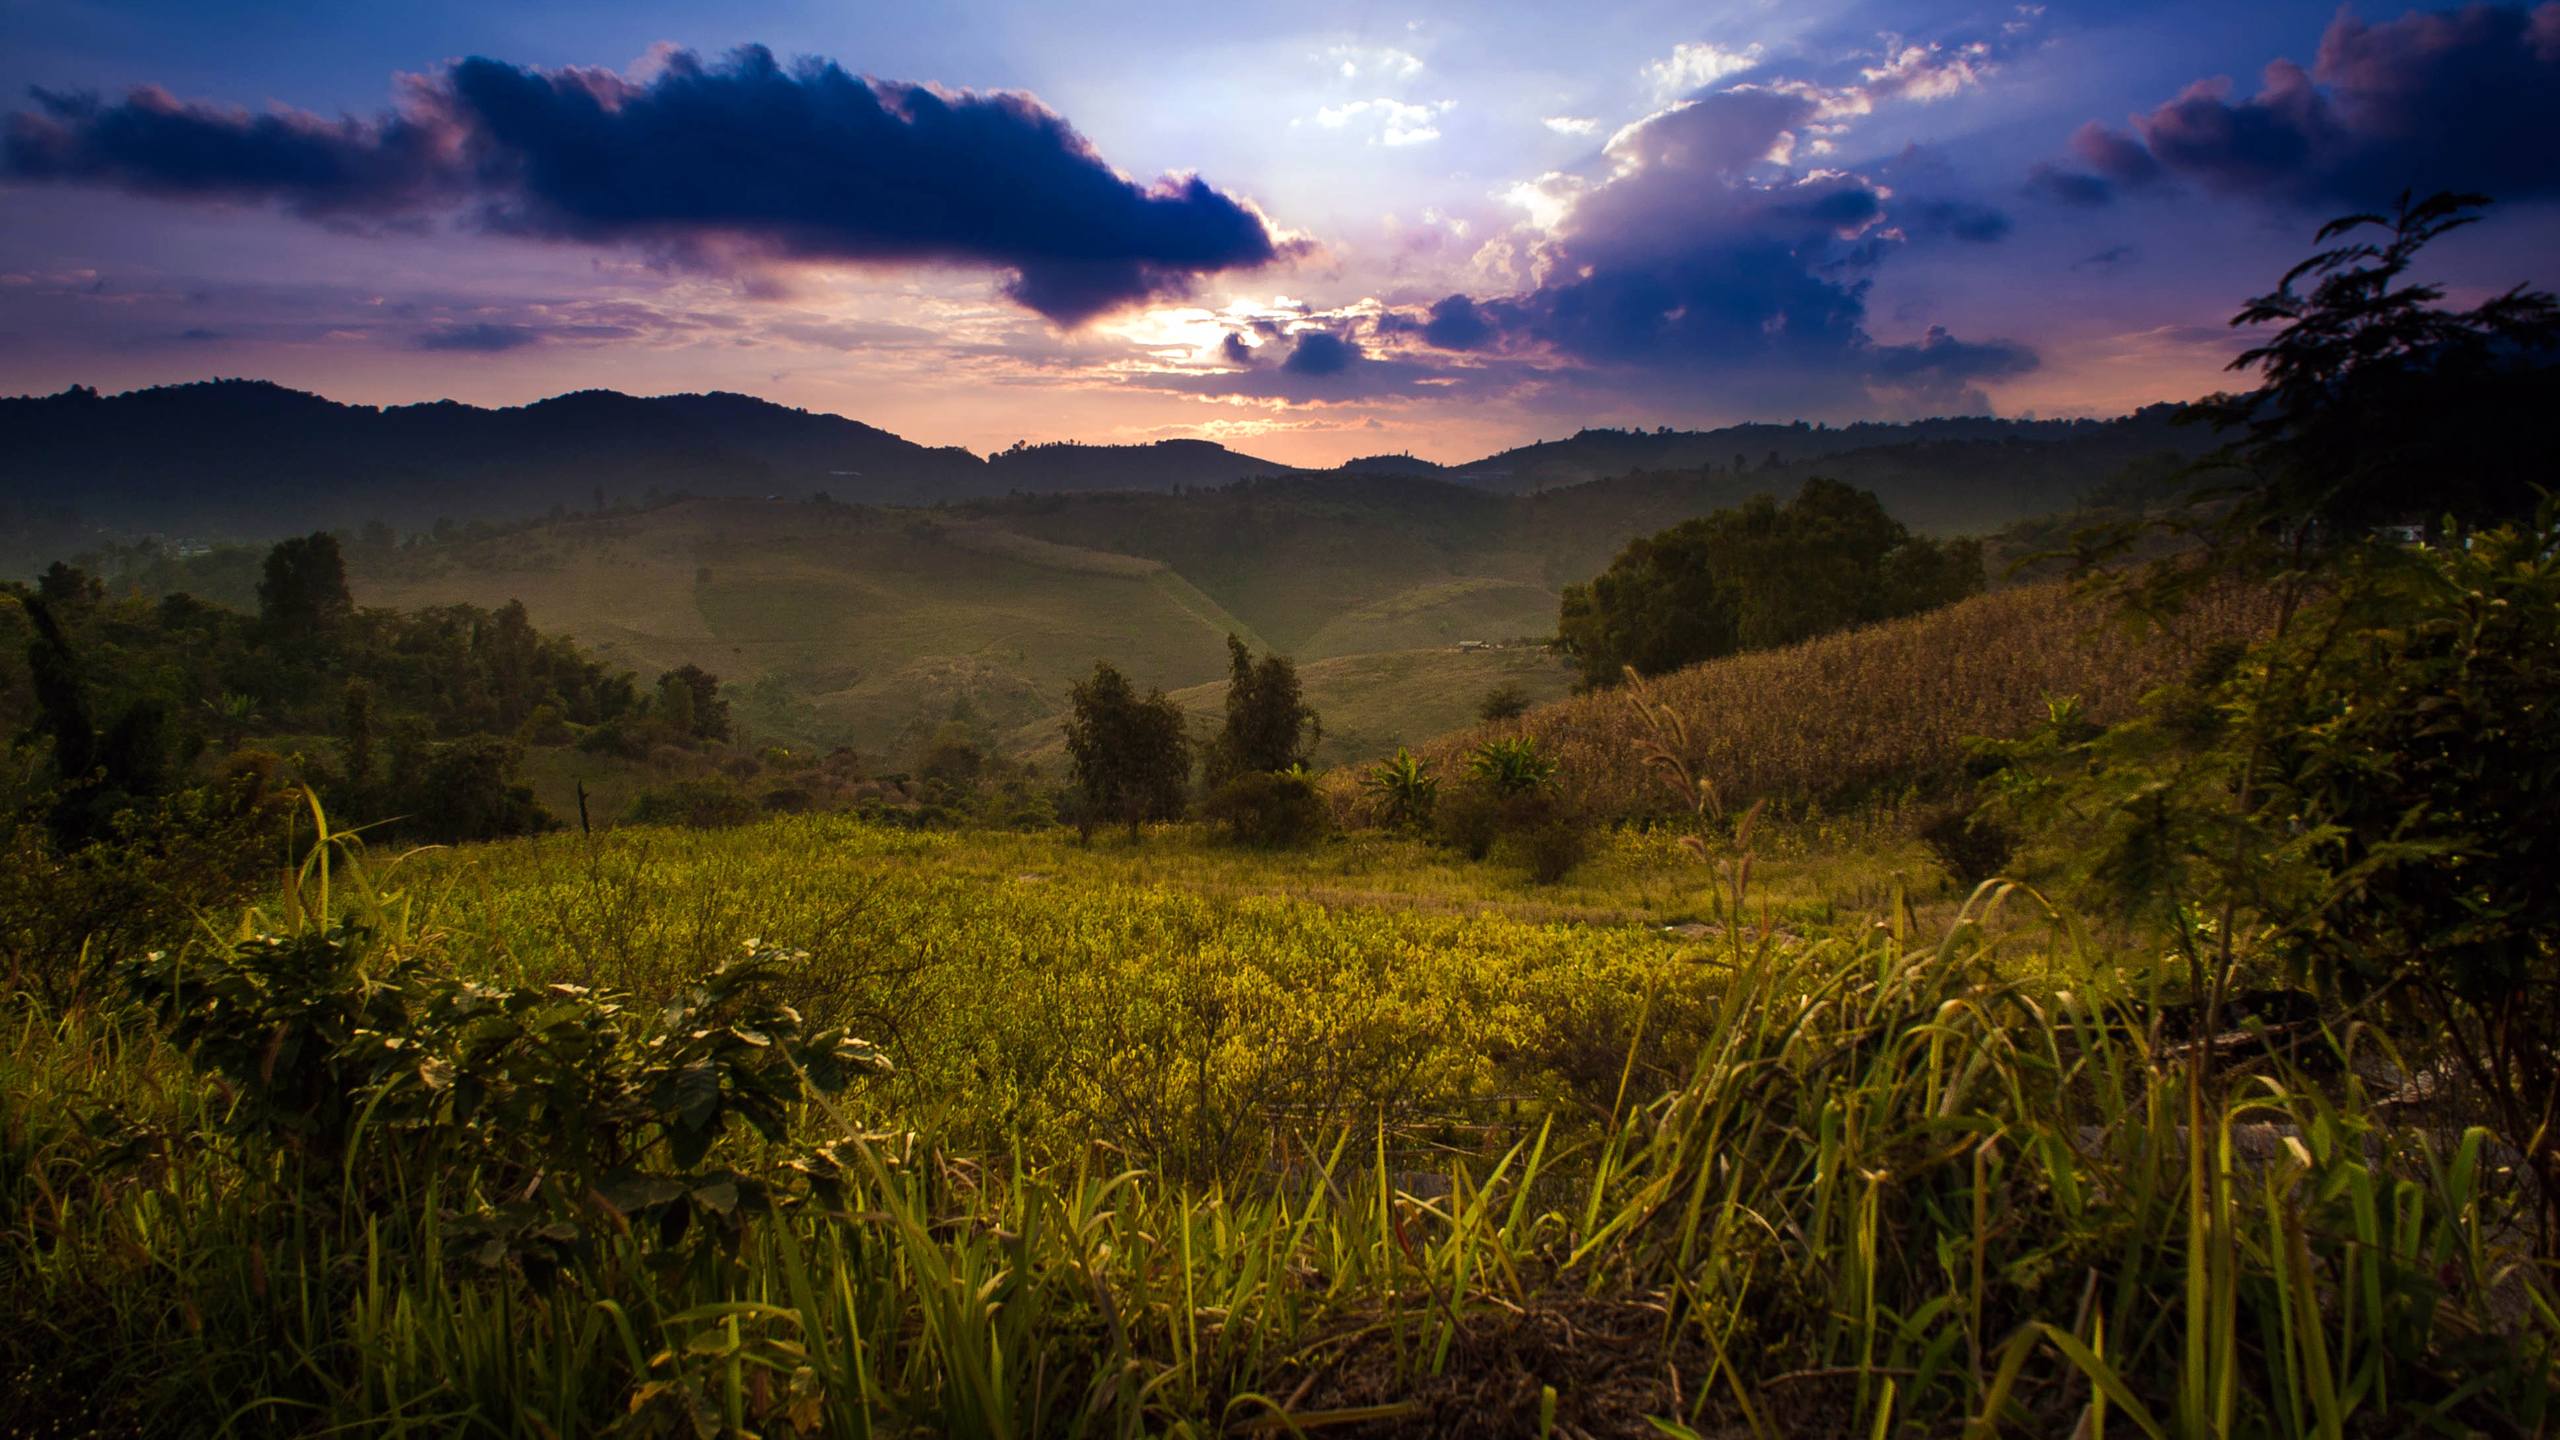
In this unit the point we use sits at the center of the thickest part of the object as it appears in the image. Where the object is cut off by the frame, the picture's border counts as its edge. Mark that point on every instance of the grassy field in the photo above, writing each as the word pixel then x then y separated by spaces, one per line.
pixel 1175 1139
pixel 1370 704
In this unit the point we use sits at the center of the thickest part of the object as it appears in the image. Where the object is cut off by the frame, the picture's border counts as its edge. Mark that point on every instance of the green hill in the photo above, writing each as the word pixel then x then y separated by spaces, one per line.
pixel 874 626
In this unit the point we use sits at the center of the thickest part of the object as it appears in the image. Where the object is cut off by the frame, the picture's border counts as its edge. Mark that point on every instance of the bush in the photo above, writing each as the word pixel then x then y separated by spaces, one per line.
pixel 705 804
pixel 1406 789
pixel 1273 809
pixel 1553 844
pixel 1469 821
pixel 1969 845
pixel 1511 767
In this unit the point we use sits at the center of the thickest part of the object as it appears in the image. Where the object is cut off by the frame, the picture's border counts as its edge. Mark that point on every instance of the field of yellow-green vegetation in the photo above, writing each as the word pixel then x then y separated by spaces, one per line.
pixel 811 1128
pixel 1875 709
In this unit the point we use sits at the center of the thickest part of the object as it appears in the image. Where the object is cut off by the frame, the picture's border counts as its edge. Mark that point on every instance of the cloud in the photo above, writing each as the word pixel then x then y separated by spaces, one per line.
pixel 1706 254
pixel 1375 62
pixel 155 144
pixel 477 339
pixel 1321 352
pixel 1398 122
pixel 1695 65
pixel 1966 220
pixel 2461 100
pixel 728 167
pixel 2108 259
pixel 1458 323
pixel 1572 124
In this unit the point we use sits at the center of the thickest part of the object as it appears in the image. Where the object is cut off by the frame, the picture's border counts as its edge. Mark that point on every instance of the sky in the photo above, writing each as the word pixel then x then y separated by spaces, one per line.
pixel 1309 231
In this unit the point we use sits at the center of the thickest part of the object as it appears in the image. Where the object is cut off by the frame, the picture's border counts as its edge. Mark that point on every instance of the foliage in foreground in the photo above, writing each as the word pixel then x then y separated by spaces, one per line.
pixel 1887 1184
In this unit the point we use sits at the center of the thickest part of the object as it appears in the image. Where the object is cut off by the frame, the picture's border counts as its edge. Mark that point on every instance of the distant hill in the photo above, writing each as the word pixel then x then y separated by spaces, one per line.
pixel 249 460
pixel 1600 454
pixel 875 625
pixel 860 588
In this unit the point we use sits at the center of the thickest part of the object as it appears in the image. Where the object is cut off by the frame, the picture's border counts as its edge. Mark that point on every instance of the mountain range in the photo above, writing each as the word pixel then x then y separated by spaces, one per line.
pixel 251 460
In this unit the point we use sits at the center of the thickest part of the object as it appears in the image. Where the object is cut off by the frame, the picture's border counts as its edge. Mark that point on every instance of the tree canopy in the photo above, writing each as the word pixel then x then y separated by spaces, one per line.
pixel 1268 725
pixel 1757 576
pixel 1131 757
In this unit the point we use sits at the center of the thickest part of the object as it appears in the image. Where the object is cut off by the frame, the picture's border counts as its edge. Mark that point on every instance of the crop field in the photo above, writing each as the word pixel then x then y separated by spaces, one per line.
pixel 1156 1138
pixel 1872 710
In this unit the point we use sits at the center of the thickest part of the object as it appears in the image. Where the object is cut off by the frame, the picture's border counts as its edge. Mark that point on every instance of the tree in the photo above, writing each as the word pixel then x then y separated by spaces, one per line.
pixel 1503 702
pixel 302 596
pixel 355 731
pixel 1131 757
pixel 1268 725
pixel 2370 386
pixel 1757 576
pixel 689 699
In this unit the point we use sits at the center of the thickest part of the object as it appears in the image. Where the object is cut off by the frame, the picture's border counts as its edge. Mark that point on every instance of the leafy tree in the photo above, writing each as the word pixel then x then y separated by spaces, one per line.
pixel 704 712
pixel 1756 576
pixel 1131 757
pixel 302 597
pixel 65 584
pixel 2378 405
pixel 467 790
pixel 2367 795
pixel 1269 727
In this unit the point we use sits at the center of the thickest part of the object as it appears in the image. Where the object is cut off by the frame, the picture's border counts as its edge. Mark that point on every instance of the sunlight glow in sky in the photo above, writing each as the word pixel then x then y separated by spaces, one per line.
pixel 1310 233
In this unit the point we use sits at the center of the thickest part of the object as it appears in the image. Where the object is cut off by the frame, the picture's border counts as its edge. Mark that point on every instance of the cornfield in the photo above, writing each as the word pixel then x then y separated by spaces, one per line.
pixel 1867 711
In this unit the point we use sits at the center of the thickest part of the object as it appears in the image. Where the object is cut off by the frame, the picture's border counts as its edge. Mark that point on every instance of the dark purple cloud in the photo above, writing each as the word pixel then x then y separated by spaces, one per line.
pixel 2467 99
pixel 1705 255
pixel 155 144
pixel 479 339
pixel 722 166
pixel 1320 353
pixel 1458 323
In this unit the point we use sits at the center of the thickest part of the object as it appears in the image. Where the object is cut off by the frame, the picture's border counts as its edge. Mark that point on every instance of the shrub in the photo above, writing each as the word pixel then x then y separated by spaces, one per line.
pixel 1511 767
pixel 1274 809
pixel 544 1112
pixel 1553 844
pixel 1469 821
pixel 1969 845
pixel 704 803
pixel 1405 787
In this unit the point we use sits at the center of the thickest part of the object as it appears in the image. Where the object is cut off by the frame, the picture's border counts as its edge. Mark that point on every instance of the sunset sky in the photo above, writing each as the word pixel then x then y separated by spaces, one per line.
pixel 1309 231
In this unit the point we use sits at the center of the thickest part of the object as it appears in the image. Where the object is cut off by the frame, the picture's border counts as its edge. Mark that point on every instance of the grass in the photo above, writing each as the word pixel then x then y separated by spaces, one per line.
pixel 1383 1151
pixel 1867 712
pixel 1370 704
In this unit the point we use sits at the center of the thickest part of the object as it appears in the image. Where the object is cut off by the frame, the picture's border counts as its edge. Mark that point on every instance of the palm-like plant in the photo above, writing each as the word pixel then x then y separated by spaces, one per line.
pixel 1406 786
pixel 1511 767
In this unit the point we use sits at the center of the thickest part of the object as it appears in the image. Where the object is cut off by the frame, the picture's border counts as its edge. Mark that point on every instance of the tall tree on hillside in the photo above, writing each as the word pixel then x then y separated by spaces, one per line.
pixel 1757 576
pixel 302 596
pixel 1268 726
pixel 1131 757
pixel 703 710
